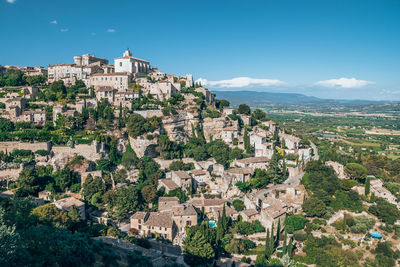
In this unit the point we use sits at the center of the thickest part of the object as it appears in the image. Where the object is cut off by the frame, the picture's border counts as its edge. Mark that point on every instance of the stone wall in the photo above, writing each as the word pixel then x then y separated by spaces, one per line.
pixel 93 152
pixel 10 174
pixel 149 113
pixel 10 146
pixel 294 171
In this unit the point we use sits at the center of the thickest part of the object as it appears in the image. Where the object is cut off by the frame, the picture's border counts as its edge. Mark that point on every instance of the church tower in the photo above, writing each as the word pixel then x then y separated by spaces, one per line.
pixel 127 53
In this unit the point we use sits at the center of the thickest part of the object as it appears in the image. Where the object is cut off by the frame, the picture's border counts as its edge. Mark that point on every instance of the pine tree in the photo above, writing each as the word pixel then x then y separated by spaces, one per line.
pixel 199 247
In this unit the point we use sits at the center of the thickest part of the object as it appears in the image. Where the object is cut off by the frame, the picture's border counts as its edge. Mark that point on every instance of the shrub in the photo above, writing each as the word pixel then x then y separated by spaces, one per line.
pixel 294 223
pixel 258 227
pixel 238 205
pixel 42 152
pixel 300 235
pixel 75 188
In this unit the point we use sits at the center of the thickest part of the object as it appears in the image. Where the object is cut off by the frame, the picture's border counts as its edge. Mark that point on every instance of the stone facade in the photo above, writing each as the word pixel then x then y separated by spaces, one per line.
pixel 128 63
pixel 118 80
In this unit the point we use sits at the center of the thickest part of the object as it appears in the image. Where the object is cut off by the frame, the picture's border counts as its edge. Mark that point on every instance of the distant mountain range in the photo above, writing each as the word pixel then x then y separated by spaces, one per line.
pixel 259 99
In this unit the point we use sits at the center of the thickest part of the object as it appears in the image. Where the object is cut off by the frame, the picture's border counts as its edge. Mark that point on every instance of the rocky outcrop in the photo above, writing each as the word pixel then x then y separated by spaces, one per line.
pixel 212 128
pixel 144 147
pixel 179 127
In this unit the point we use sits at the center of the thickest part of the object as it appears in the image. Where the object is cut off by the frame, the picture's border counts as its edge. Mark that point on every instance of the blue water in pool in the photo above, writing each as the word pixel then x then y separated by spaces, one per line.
pixel 212 224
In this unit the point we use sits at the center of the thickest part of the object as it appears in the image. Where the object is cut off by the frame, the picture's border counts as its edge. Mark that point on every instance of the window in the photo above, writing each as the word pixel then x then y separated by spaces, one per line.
pixel 120 64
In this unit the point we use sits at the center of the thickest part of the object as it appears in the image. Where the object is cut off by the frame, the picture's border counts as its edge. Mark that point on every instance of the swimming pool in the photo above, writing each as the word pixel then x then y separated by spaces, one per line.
pixel 376 235
pixel 212 224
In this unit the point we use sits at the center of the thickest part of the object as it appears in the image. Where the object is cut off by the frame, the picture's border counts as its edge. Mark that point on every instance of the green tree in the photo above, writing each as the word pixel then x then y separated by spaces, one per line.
pixel 356 171
pixel 238 205
pixel 367 186
pixel 28 182
pixel 149 193
pixel 244 109
pixel 314 207
pixel 198 250
pixel 11 245
pixel 258 114
pixel 49 214
pixel 246 140
pixel 294 223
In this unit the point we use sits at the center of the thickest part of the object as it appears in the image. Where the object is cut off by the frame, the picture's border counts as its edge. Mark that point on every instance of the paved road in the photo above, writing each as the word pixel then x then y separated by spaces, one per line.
pixel 314 147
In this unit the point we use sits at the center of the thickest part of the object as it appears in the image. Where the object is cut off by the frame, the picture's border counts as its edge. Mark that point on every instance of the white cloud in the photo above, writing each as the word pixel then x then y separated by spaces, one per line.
pixel 111 30
pixel 344 83
pixel 240 82
pixel 64 30
pixel 53 22
pixel 10 1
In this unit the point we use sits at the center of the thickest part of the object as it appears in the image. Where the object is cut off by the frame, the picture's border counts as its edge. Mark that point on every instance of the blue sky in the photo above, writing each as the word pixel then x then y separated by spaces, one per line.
pixel 331 49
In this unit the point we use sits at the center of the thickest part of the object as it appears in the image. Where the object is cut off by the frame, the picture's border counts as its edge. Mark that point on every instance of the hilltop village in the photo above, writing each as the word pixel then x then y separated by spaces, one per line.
pixel 154 165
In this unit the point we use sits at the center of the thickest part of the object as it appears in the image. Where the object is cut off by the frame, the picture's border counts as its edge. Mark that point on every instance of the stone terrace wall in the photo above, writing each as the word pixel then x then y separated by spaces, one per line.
pixel 10 174
pixel 91 152
pixel 149 113
pixel 10 146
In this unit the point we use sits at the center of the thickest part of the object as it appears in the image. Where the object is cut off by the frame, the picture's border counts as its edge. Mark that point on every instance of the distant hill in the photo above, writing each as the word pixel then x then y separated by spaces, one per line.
pixel 259 99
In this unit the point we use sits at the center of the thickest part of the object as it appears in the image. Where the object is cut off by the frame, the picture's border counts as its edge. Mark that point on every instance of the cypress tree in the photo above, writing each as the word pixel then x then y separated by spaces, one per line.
pixel 284 246
pixel 120 121
pixel 267 245
pixel 246 140
pixel 278 230
pixel 290 248
pixel 344 222
pixel 367 186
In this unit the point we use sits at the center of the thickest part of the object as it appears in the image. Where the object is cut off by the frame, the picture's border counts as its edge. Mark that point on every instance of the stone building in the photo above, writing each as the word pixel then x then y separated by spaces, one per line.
pixel 106 93
pixel 252 162
pixel 290 141
pixel 132 65
pixel 67 203
pixel 229 134
pixel 167 184
pixel 181 178
pixel 38 117
pixel 82 68
pixel 118 80
pixel 165 203
pixel 240 174
pixel 157 223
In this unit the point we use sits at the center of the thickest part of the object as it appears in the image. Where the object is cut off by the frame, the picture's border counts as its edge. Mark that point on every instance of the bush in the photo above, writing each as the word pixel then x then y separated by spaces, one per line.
pixel 75 188
pixel 238 205
pixel 300 235
pixel 362 225
pixel 258 227
pixel 42 152
pixel 294 223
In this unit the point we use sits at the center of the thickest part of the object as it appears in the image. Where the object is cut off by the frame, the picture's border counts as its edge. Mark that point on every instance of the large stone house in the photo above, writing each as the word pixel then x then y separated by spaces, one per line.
pixel 252 162
pixel 240 174
pixel 118 80
pixel 132 65
pixel 67 203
